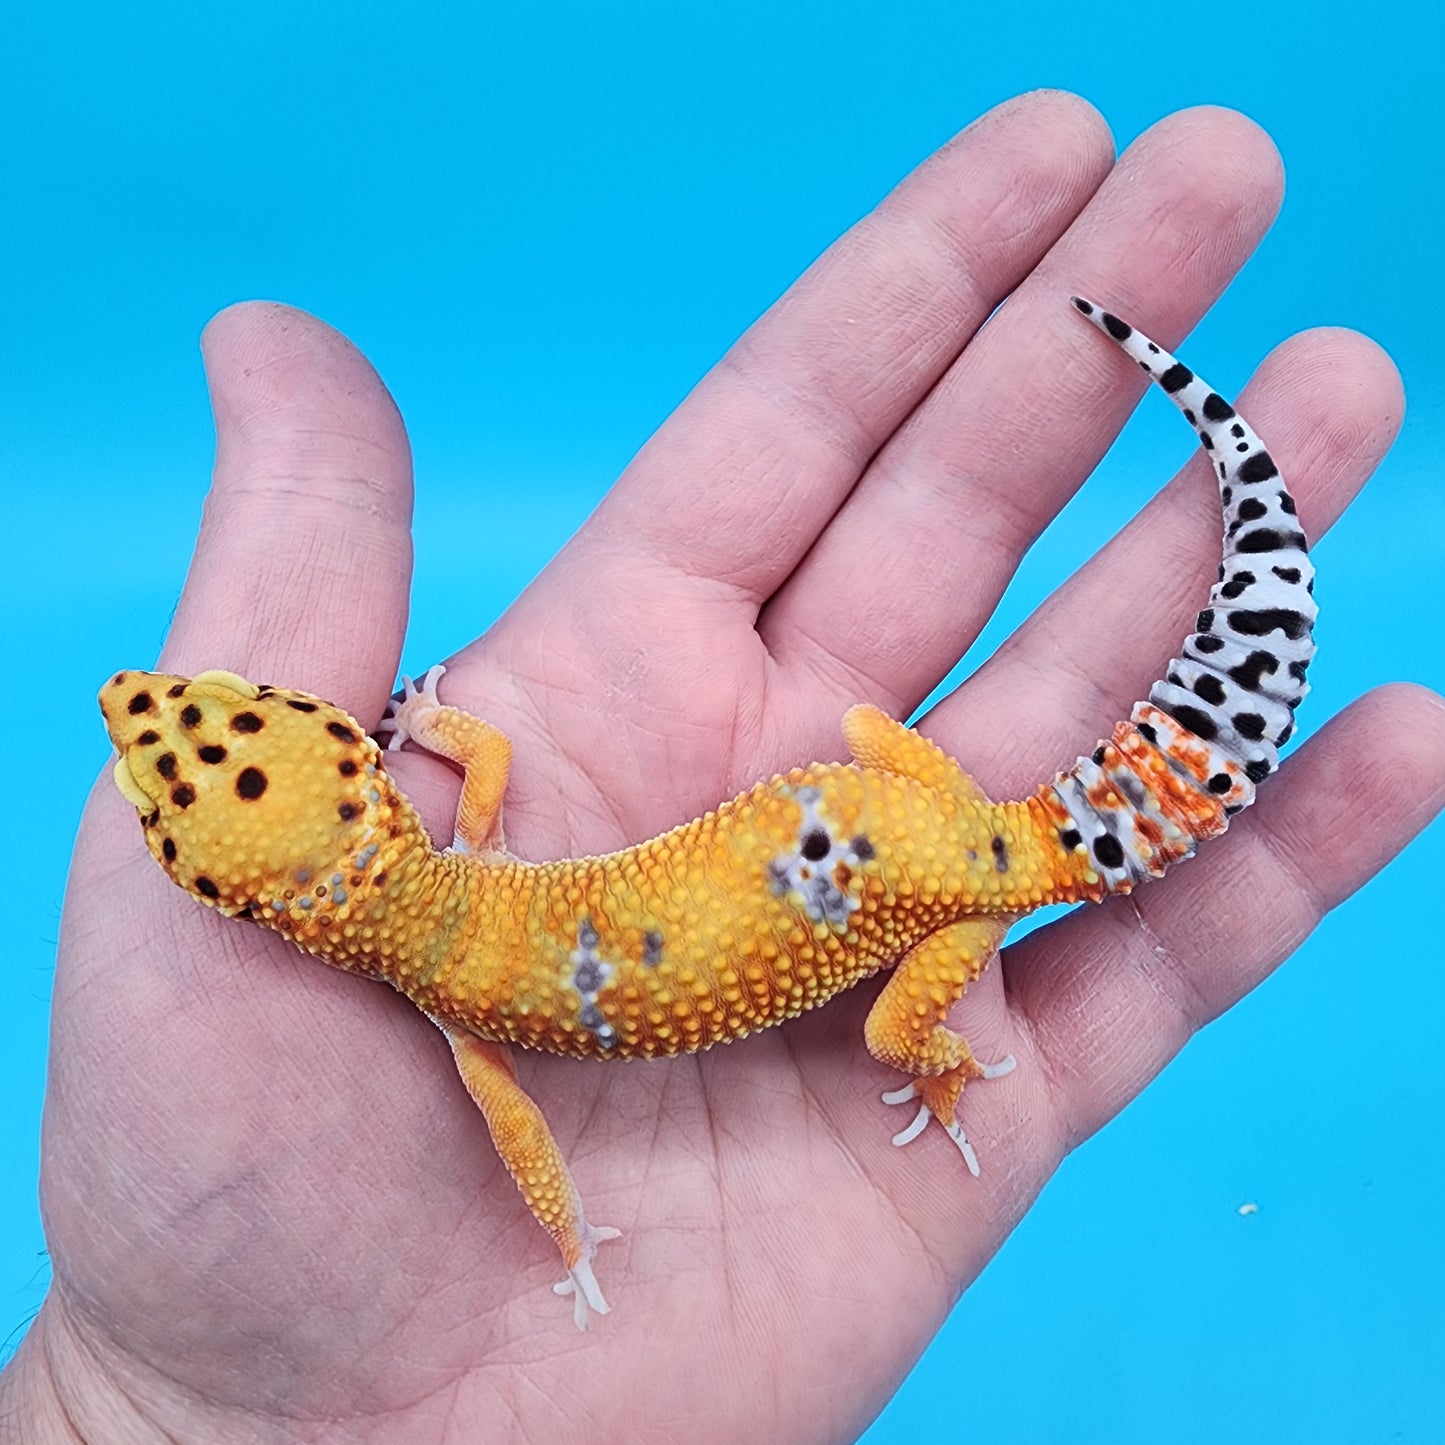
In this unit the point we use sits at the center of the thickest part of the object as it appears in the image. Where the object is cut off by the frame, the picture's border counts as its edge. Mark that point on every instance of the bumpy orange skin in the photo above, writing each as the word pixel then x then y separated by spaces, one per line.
pixel 276 806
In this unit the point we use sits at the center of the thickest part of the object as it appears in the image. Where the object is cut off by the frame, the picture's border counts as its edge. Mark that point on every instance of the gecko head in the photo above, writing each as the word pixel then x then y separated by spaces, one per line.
pixel 251 798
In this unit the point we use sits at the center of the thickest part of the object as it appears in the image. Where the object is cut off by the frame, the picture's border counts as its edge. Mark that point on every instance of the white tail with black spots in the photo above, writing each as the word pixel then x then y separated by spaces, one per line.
pixel 1213 726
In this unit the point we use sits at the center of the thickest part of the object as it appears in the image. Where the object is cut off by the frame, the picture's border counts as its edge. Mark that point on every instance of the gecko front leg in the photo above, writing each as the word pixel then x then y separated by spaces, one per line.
pixel 485 752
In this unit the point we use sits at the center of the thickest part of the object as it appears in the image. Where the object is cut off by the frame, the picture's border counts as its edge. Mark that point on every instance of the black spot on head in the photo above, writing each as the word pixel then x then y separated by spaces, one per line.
pixel 1267 619
pixel 1197 722
pixel 1149 732
pixel 347 768
pixel 1119 330
pixel 816 845
pixel 207 888
pixel 168 849
pixel 1215 407
pixel 1208 644
pixel 1220 783
pixel 247 722
pixel 1257 771
pixel 299 705
pixel 1071 837
pixel 148 737
pixel 251 784
pixel 1251 509
pixel 141 702
pixel 341 732
pixel 1209 687
pixel 1000 853
pixel 212 753
pixel 863 850
pixel 1258 468
pixel 118 679
pixel 347 811
pixel 183 795
pixel 1287 574
pixel 176 690
pixel 190 715
pixel 1109 851
pixel 1176 378
pixel 166 766
pixel 1249 725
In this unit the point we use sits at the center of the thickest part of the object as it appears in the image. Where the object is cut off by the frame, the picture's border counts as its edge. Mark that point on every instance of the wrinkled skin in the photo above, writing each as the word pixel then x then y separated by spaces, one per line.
pixel 273 1212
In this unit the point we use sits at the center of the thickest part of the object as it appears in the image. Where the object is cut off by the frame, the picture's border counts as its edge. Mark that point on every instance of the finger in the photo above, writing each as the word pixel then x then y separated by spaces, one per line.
pixel 1330 402
pixel 737 484
pixel 935 530
pixel 303 562
pixel 1112 994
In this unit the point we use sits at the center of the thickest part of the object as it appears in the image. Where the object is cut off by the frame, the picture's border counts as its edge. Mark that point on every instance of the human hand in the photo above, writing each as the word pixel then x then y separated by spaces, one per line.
pixel 273 1212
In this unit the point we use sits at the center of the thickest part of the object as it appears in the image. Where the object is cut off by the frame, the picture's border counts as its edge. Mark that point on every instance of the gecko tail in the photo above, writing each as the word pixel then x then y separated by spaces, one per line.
pixel 1190 756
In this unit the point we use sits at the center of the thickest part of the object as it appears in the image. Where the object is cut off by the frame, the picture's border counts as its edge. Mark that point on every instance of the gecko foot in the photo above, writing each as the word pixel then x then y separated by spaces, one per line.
pixel 937 1098
pixel 581 1283
pixel 413 698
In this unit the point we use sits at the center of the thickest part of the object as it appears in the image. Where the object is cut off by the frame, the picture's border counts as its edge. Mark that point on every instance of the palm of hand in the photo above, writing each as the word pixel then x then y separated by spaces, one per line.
pixel 272 1207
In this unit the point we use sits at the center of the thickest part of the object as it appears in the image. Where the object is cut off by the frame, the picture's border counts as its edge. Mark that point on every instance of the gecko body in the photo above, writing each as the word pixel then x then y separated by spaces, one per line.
pixel 274 806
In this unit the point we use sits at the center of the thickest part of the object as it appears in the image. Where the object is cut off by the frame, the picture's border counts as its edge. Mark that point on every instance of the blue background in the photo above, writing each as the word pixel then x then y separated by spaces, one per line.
pixel 543 228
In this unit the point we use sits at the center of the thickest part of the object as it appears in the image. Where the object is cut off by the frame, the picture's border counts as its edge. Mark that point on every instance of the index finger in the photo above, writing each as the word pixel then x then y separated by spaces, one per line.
pixel 743 476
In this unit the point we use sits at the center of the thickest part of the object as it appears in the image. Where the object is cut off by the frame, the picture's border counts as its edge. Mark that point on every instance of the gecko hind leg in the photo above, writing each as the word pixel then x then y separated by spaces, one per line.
pixel 905 1026
pixel 534 1161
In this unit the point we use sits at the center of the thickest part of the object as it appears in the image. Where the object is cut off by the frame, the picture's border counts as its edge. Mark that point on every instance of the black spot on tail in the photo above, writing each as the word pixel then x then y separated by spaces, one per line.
pixel 1176 378
pixel 1198 722
pixel 1267 619
pixel 1258 468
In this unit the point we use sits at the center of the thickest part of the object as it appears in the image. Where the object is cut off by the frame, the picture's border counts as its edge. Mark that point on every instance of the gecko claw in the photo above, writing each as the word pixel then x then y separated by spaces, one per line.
pixel 393 721
pixel 581 1282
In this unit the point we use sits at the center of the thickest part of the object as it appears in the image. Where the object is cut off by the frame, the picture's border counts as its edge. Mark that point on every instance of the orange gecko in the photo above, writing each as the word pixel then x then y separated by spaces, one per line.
pixel 274 806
